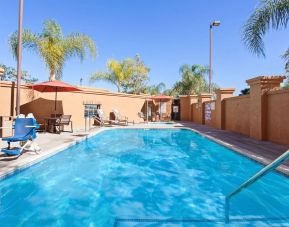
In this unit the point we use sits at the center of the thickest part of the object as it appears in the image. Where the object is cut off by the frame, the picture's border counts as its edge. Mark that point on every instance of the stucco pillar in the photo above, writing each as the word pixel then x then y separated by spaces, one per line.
pixel 203 97
pixel 186 102
pixel 222 93
pixel 259 86
pixel 193 99
pixel 184 108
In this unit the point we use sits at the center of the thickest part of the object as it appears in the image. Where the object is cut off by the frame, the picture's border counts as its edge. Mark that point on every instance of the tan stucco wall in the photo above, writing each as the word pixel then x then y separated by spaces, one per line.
pixel 8 98
pixel 197 113
pixel 263 115
pixel 186 102
pixel 237 118
pixel 42 104
pixel 278 116
pixel 185 107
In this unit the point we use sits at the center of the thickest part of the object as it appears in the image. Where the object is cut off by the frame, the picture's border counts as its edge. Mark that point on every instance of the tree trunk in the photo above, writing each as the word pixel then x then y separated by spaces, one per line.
pixel 52 76
pixel 118 87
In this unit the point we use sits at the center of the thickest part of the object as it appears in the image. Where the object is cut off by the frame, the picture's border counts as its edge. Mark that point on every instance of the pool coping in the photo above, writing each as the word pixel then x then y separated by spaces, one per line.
pixel 49 153
pixel 282 169
pixel 55 150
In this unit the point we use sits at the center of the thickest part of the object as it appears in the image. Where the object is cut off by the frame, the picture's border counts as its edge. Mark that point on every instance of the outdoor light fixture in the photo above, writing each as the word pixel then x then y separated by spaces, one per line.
pixel 215 23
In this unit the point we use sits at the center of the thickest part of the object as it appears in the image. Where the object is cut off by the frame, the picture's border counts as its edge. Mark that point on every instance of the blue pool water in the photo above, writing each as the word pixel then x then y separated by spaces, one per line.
pixel 130 177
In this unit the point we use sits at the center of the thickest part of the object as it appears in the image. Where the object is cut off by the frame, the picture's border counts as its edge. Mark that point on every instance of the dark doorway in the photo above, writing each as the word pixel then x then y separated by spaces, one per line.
pixel 176 110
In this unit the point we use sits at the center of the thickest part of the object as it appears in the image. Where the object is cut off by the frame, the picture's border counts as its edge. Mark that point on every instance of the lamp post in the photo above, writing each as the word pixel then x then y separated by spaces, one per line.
pixel 212 24
pixel 19 56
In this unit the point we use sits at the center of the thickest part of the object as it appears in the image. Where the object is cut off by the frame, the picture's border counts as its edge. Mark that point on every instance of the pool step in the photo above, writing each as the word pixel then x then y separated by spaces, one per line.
pixel 120 222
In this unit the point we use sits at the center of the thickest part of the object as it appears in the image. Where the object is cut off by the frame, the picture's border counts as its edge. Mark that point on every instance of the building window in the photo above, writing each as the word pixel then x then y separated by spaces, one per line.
pixel 90 110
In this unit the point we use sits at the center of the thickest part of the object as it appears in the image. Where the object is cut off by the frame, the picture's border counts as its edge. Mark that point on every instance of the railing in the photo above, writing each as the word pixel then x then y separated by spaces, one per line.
pixel 278 161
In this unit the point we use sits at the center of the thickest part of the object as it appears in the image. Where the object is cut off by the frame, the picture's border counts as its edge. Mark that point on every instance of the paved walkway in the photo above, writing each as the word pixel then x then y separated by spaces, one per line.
pixel 263 152
pixel 50 144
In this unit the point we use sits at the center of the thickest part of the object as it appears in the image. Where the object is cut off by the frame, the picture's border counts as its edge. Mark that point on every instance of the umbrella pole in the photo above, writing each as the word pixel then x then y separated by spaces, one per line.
pixel 160 110
pixel 55 102
pixel 147 111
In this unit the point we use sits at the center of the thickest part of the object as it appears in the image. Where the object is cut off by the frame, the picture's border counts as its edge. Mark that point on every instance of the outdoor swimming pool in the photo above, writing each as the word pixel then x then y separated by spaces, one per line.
pixel 137 177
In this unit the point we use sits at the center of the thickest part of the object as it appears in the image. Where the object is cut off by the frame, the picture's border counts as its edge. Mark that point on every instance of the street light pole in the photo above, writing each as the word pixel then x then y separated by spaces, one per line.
pixel 19 56
pixel 214 23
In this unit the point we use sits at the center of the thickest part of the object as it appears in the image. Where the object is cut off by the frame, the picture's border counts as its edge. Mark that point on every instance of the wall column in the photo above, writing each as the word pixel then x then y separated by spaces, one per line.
pixel 186 102
pixel 259 86
pixel 193 100
pixel 222 93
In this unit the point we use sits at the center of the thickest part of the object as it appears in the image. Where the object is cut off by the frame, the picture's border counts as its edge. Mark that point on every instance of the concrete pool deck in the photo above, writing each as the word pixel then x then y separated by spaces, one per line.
pixel 260 151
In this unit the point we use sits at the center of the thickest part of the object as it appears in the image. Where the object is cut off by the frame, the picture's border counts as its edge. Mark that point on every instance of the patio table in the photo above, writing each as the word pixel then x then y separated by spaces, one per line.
pixel 49 120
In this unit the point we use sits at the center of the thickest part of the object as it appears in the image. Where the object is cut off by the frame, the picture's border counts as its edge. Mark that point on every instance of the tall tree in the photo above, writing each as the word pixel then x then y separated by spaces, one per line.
pixel 53 47
pixel 155 89
pixel 269 14
pixel 193 80
pixel 127 75
pixel 137 83
pixel 118 72
pixel 10 74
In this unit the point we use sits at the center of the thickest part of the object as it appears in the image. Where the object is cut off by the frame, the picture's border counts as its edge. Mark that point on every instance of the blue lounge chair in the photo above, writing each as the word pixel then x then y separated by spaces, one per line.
pixel 24 131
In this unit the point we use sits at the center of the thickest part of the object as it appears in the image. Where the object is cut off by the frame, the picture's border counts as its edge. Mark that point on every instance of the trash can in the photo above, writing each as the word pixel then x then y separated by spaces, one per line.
pixel 6 124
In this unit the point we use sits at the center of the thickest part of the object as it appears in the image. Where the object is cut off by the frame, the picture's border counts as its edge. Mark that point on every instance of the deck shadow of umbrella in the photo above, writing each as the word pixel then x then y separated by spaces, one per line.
pixel 42 107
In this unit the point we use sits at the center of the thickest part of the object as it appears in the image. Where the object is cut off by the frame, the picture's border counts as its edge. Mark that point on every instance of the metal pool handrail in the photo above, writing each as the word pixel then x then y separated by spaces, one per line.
pixel 278 161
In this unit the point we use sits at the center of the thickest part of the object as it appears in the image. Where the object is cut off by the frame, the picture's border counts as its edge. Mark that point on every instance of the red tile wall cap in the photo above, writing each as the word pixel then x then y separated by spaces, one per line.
pixel 225 90
pixel 266 79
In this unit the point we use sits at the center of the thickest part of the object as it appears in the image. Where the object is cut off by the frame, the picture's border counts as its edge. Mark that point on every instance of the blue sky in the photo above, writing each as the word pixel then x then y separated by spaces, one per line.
pixel 166 33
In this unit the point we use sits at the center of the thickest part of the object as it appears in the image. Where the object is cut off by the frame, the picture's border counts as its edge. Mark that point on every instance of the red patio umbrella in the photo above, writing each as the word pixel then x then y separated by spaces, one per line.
pixel 53 86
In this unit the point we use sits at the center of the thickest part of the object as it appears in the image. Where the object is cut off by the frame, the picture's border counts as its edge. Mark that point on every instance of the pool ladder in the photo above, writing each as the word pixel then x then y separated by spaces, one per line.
pixel 273 165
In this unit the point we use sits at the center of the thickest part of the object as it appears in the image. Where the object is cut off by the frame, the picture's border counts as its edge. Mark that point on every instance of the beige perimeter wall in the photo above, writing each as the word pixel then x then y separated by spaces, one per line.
pixel 42 104
pixel 237 117
pixel 278 116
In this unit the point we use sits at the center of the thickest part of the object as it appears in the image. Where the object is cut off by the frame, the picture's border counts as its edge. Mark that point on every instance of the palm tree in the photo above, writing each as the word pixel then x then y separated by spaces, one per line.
pixel 155 89
pixel 270 14
pixel 286 57
pixel 118 73
pixel 137 83
pixel 193 80
pixel 53 47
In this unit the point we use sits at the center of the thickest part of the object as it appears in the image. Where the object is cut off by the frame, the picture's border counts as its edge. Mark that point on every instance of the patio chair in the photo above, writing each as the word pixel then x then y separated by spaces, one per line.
pixel 118 118
pixel 56 115
pixel 62 121
pixel 24 132
pixel 101 118
pixel 165 117
pixel 142 116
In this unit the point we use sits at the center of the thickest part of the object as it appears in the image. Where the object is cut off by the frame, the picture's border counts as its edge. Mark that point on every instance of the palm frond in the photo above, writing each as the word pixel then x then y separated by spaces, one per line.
pixel 108 77
pixel 161 86
pixel 271 13
pixel 285 56
pixel 29 41
pixel 51 30
pixel 53 47
pixel 77 44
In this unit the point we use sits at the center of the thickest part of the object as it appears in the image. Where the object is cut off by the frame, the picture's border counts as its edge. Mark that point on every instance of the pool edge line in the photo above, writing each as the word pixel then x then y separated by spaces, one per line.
pixel 50 153
pixel 53 151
